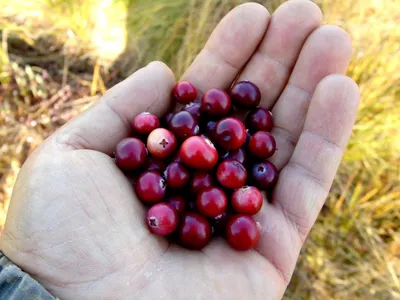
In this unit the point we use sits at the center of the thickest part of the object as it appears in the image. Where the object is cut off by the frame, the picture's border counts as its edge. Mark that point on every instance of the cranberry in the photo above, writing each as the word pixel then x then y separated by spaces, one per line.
pixel 238 155
pixel 262 144
pixel 247 200
pixel 231 174
pixel 153 164
pixel 259 119
pixel 264 174
pixel 145 123
pixel 211 202
pixel 167 118
pixel 176 175
pixel 210 128
pixel 194 231
pixel 216 102
pixel 184 92
pixel 130 154
pixel 162 219
pixel 193 109
pixel 245 95
pixel 150 187
pixel 230 133
pixel 198 153
pixel 161 143
pixel 184 125
pixel 201 181
pixel 178 203
pixel 219 223
pixel 242 232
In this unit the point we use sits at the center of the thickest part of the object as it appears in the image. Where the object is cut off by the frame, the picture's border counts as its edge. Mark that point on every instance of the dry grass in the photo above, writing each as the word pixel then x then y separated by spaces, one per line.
pixel 56 56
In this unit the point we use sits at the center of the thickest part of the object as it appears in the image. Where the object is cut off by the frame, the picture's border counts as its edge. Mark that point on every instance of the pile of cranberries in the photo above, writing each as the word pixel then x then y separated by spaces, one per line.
pixel 200 170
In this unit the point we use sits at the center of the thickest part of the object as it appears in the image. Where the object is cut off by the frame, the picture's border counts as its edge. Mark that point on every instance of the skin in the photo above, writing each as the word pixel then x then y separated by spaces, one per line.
pixel 76 226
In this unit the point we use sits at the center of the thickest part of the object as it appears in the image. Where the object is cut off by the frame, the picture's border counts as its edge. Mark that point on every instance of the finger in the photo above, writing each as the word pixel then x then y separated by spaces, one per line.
pixel 104 125
pixel 229 47
pixel 272 63
pixel 327 51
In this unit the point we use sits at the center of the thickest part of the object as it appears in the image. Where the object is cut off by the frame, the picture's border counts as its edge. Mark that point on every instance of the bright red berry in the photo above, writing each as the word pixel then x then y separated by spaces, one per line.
pixel 161 143
pixel 247 200
pixel 201 181
pixel 162 219
pixel 238 155
pixel 264 174
pixel 198 153
pixel 150 187
pixel 242 232
pixel 176 175
pixel 184 125
pixel 211 202
pixel 245 95
pixel 216 102
pixel 259 119
pixel 193 109
pixel 230 133
pixel 130 154
pixel 184 92
pixel 194 231
pixel 231 174
pixel 178 203
pixel 262 144
pixel 145 123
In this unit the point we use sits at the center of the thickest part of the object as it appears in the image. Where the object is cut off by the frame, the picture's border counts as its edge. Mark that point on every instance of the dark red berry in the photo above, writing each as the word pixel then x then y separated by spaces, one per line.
pixel 198 153
pixel 178 203
pixel 230 133
pixel 161 143
pixel 219 223
pixel 231 174
pixel 176 175
pixel 242 232
pixel 184 92
pixel 245 95
pixel 259 119
pixel 145 123
pixel 201 181
pixel 264 174
pixel 167 118
pixel 216 102
pixel 162 219
pixel 176 157
pixel 210 128
pixel 184 125
pixel 193 109
pixel 150 187
pixel 211 202
pixel 130 154
pixel 238 155
pixel 247 200
pixel 153 164
pixel 194 231
pixel 262 144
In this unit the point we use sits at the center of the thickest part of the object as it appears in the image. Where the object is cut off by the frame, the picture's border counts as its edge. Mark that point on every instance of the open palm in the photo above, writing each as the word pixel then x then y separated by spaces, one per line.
pixel 74 222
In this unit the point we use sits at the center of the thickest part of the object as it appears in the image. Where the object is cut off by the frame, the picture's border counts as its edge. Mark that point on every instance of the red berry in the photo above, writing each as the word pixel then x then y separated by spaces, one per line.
pixel 245 94
pixel 211 202
pixel 262 144
pixel 242 232
pixel 216 102
pixel 130 154
pixel 150 187
pixel 198 153
pixel 162 219
pixel 201 181
pixel 184 92
pixel 184 125
pixel 238 155
pixel 247 200
pixel 230 133
pixel 176 175
pixel 167 118
pixel 259 119
pixel 145 123
pixel 231 174
pixel 194 231
pixel 219 223
pixel 153 164
pixel 161 143
pixel 193 109
pixel 178 203
pixel 264 174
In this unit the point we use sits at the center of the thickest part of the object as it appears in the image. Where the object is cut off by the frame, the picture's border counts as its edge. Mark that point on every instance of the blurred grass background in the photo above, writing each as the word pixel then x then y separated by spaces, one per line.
pixel 58 56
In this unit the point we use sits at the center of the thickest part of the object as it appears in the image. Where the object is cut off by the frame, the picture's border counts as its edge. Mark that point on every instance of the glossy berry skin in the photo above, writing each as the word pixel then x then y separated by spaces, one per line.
pixel 198 153
pixel 167 118
pixel 176 175
pixel 238 155
pixel 162 219
pixel 201 181
pixel 262 144
pixel 184 92
pixel 245 95
pixel 194 231
pixel 130 154
pixel 211 202
pixel 150 187
pixel 193 109
pixel 219 223
pixel 259 119
pixel 230 133
pixel 178 203
pixel 242 232
pixel 184 125
pixel 153 164
pixel 161 143
pixel 216 103
pixel 145 123
pixel 231 174
pixel 264 174
pixel 247 200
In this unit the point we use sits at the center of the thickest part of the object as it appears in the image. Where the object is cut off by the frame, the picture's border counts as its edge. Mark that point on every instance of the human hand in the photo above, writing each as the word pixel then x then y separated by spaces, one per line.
pixel 76 226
